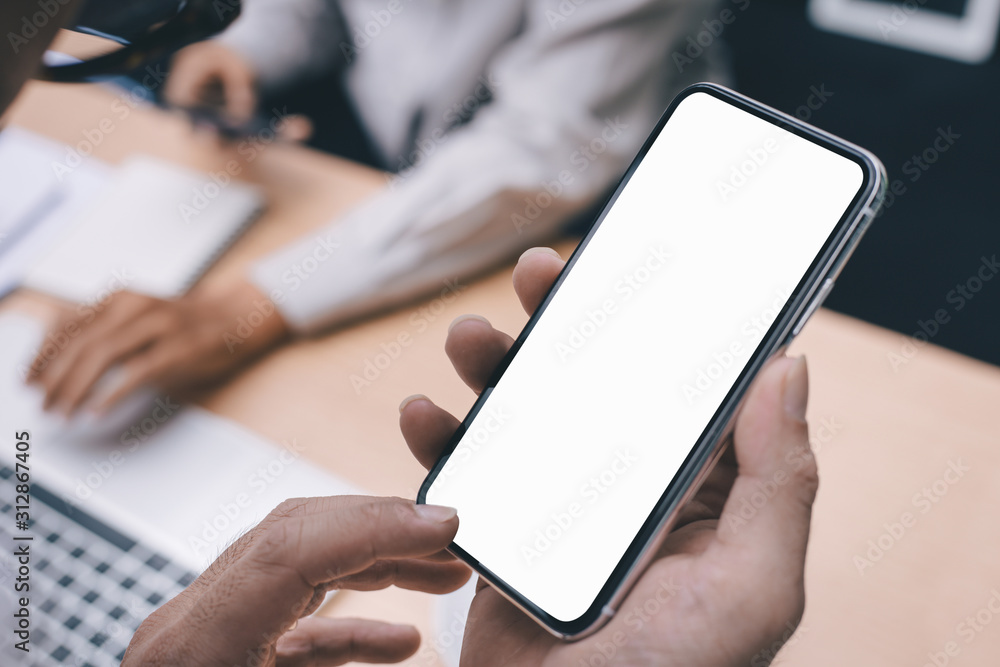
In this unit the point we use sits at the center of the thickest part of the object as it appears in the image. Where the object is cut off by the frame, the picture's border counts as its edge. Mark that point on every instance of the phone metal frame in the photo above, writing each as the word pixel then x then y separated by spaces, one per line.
pixel 805 299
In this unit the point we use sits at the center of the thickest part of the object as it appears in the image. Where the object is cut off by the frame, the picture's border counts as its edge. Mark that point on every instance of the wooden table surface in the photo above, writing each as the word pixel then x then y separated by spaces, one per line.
pixel 920 438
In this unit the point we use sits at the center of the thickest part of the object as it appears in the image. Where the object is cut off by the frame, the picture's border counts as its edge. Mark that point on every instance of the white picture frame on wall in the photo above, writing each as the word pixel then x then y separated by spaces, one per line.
pixel 970 38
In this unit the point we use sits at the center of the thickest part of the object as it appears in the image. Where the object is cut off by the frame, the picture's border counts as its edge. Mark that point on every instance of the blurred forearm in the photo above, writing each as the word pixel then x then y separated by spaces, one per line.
pixel 568 113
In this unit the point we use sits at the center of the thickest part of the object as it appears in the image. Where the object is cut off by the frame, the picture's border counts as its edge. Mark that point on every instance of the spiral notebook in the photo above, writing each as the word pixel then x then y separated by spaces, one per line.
pixel 157 228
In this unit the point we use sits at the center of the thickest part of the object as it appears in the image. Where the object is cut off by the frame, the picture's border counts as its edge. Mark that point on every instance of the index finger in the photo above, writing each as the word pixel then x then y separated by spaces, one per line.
pixel 254 600
pixel 474 346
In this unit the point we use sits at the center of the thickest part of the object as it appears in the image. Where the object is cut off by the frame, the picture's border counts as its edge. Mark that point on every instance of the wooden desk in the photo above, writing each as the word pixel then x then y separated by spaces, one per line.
pixel 881 435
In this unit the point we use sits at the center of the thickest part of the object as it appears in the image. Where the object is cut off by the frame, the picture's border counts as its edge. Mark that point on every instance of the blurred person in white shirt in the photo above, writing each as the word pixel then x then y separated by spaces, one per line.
pixel 497 122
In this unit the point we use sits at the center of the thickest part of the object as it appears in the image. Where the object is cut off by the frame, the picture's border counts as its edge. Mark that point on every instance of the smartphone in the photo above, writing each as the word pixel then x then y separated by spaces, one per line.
pixel 723 237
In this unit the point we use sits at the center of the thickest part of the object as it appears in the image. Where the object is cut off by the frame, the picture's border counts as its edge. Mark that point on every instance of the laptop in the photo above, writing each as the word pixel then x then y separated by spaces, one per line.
pixel 123 512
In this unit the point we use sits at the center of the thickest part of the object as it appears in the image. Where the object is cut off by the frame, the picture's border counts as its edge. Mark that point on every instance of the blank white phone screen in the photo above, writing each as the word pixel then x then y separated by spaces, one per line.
pixel 638 348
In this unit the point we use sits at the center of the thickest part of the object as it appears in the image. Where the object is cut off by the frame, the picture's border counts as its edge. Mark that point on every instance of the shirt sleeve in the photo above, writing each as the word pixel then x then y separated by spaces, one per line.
pixel 286 40
pixel 574 96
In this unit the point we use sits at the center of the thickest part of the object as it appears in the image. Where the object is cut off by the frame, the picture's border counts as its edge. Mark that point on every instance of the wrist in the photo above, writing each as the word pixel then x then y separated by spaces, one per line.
pixel 253 315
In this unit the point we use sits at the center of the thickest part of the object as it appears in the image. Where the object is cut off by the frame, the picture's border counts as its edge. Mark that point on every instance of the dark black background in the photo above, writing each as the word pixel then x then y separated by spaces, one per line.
pixel 892 102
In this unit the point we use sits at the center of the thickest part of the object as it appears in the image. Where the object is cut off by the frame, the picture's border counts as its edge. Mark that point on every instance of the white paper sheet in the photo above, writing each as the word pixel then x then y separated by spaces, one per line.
pixel 37 202
pixel 155 230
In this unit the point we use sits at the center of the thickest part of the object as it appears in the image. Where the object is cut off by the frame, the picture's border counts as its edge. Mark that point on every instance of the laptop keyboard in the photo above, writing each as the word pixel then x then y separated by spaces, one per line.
pixel 91 585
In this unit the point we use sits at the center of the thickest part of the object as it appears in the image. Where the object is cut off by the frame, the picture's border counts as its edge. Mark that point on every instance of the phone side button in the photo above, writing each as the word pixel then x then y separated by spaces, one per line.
pixel 817 301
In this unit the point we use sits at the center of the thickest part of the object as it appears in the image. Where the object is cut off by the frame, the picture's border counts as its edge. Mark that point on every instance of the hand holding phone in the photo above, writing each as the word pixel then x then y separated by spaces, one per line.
pixel 726 586
pixel 611 407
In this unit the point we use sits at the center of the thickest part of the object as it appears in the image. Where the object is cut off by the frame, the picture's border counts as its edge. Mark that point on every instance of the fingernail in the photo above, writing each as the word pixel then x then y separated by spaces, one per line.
pixel 796 393
pixel 537 250
pixel 436 513
pixel 410 399
pixel 462 318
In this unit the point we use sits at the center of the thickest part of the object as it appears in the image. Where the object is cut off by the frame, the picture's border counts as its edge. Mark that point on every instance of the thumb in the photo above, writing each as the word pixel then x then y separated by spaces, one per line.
pixel 767 514
pixel 293 558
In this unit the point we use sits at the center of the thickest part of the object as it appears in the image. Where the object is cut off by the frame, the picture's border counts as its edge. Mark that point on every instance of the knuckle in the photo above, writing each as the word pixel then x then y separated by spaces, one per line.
pixel 166 319
pixel 153 642
pixel 803 468
pixel 785 613
pixel 371 513
pixel 86 345
pixel 806 474
pixel 276 540
pixel 372 517
pixel 100 356
pixel 775 614
pixel 289 508
pixel 140 369
pixel 148 366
